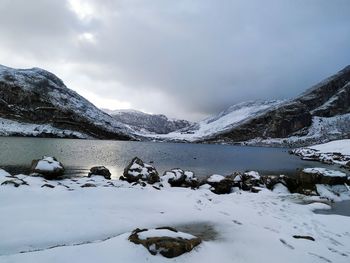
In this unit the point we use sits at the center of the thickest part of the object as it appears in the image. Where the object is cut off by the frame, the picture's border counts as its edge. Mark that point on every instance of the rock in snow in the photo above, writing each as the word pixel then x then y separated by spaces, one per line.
pixel 166 241
pixel 49 167
pixel 100 170
pixel 138 171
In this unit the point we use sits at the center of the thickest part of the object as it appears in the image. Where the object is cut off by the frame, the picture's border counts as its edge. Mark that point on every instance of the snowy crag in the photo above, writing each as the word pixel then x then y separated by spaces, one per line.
pixel 320 114
pixel 148 123
pixel 34 102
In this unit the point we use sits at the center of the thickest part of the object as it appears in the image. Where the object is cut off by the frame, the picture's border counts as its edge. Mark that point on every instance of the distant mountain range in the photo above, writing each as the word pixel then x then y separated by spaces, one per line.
pixel 145 123
pixel 34 102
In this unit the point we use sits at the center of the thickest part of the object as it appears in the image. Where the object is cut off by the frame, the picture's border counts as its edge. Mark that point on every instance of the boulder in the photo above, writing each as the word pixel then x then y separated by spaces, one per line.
pixel 100 170
pixel 138 171
pixel 220 184
pixel 321 176
pixel 250 180
pixel 180 178
pixel 48 167
pixel 165 241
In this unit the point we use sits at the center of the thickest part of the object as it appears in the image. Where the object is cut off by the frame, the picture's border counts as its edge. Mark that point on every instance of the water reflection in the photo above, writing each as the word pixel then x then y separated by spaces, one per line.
pixel 78 156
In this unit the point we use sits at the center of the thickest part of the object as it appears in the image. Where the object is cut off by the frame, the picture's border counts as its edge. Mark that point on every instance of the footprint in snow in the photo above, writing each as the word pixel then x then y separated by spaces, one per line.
pixel 338 252
pixel 237 222
pixel 286 244
pixel 321 257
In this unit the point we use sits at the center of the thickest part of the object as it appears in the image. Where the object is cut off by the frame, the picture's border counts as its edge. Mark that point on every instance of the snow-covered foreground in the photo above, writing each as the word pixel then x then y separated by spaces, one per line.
pixel 69 223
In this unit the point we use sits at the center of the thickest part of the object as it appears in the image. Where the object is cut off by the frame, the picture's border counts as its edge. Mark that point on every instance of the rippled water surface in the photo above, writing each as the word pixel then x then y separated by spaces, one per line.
pixel 78 156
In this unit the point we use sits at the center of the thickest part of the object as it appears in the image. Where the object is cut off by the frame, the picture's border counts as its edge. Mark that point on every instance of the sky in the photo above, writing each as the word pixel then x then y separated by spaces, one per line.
pixel 185 58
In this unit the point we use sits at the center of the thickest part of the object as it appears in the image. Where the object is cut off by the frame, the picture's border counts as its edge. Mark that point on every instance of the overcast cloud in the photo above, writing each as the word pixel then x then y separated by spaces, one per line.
pixel 184 58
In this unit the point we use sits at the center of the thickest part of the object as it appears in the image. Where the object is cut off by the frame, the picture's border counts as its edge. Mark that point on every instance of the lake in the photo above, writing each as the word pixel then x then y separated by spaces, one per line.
pixel 78 156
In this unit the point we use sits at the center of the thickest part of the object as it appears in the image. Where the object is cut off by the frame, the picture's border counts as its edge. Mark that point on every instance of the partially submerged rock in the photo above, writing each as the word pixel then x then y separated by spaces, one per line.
pixel 100 170
pixel 166 241
pixel 48 167
pixel 138 171
pixel 180 178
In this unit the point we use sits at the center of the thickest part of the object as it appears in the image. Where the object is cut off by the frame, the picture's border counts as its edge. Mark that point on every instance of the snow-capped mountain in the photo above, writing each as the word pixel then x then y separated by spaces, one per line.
pixel 39 102
pixel 319 114
pixel 224 121
pixel 145 123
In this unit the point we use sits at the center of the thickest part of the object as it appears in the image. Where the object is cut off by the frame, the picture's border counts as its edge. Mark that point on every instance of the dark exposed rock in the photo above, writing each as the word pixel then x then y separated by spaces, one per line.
pixel 48 185
pixel 48 167
pixel 137 171
pixel 88 185
pixel 168 247
pixel 100 170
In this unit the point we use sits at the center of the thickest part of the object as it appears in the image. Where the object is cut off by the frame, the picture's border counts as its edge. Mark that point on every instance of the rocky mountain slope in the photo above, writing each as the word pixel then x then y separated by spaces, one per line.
pixel 145 123
pixel 34 102
pixel 320 114
pixel 323 107
pixel 224 121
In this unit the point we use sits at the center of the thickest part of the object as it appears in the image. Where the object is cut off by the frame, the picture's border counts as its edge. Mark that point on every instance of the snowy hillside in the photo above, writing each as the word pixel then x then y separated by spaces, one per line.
pixel 39 97
pixel 323 129
pixel 148 123
pixel 225 120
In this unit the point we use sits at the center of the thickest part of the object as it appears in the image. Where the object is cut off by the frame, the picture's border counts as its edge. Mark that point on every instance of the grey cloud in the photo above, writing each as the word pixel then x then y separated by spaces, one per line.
pixel 187 58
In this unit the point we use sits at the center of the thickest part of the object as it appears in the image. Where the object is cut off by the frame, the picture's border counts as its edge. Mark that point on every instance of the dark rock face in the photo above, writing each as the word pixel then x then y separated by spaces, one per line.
pixel 39 97
pixel 100 170
pixel 168 247
pixel 138 171
pixel 48 167
pixel 329 98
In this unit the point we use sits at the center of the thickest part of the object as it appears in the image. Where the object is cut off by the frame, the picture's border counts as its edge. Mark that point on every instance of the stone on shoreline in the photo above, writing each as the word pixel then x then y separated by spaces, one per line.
pixel 48 167
pixel 101 171
pixel 138 171
pixel 220 184
pixel 180 178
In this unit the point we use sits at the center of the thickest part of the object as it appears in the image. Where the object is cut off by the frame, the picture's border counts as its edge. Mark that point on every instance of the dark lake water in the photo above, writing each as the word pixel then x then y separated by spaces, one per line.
pixel 78 156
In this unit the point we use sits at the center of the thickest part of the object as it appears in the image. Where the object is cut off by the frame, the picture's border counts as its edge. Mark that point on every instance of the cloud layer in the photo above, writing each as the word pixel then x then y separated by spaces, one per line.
pixel 183 58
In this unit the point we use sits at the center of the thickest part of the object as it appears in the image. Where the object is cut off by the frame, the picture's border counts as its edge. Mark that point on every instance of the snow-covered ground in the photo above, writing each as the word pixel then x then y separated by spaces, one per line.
pixel 338 146
pixel 70 223
pixel 11 127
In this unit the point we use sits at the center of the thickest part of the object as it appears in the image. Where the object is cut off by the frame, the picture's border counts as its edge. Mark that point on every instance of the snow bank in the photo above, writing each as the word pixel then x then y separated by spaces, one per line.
pixel 70 223
pixel 338 146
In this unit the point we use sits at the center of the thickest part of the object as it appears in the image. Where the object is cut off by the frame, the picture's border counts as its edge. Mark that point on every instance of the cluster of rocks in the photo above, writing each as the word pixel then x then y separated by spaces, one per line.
pixel 309 154
pixel 139 173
